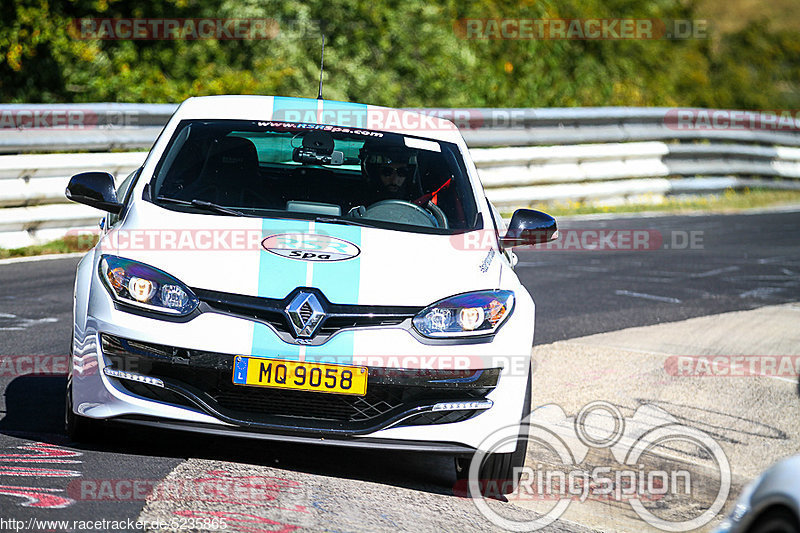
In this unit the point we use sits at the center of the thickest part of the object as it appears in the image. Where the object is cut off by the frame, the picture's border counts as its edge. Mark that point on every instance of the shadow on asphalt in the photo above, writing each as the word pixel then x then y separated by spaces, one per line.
pixel 34 404
pixel 34 409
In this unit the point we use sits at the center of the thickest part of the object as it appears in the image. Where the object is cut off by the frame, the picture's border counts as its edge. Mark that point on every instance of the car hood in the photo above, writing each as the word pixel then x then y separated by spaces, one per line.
pixel 272 257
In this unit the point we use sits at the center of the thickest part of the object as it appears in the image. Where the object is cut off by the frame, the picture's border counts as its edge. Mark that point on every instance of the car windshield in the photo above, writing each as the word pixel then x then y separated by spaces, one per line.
pixel 316 172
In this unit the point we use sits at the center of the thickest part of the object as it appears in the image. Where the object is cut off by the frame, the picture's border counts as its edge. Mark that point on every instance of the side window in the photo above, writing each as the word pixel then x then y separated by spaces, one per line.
pixel 122 194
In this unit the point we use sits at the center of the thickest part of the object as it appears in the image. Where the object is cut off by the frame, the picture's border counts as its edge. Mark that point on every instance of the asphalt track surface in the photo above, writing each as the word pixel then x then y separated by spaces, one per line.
pixel 736 262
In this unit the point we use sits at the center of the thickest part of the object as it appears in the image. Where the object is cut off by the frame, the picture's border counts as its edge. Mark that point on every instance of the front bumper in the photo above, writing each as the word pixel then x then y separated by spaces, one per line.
pixel 449 448
pixel 202 381
pixel 97 395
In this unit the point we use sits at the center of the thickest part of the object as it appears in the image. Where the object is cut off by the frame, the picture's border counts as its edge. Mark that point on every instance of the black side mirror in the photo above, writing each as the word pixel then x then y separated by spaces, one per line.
pixel 95 189
pixel 529 227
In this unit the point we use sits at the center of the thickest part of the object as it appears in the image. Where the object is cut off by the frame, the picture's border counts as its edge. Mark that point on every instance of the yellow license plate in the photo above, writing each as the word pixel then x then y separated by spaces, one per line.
pixel 316 377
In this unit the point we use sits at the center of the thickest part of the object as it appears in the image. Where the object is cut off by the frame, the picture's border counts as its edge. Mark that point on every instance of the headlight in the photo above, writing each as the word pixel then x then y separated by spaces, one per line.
pixel 141 285
pixel 465 315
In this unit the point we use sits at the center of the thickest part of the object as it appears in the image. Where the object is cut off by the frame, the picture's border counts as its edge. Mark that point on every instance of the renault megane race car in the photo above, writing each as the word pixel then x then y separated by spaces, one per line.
pixel 307 271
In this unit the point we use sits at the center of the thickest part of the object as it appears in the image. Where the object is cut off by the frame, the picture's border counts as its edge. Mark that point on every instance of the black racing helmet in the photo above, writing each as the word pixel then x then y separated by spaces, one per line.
pixel 375 156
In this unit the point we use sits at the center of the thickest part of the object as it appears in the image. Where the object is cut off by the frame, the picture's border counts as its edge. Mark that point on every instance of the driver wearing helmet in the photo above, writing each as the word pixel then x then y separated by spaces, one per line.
pixel 392 173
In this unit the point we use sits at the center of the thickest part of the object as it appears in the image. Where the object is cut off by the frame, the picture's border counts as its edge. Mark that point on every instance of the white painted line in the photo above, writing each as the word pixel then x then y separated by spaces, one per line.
pixel 588 269
pixel 761 292
pixel 20 323
pixel 649 297
pixel 768 260
pixel 714 272
pixel 35 258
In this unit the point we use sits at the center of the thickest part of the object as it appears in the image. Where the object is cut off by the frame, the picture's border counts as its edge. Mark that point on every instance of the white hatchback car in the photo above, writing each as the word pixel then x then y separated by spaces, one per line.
pixel 309 271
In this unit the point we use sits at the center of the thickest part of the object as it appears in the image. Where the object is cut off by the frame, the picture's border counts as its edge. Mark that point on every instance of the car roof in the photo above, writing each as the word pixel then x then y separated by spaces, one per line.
pixel 313 111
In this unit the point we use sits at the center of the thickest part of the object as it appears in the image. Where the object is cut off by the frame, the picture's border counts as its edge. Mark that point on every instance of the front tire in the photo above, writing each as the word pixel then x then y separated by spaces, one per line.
pixel 497 470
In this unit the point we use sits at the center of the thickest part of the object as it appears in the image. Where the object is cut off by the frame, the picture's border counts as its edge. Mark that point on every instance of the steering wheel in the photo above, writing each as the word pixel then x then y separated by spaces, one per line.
pixel 398 211
pixel 437 212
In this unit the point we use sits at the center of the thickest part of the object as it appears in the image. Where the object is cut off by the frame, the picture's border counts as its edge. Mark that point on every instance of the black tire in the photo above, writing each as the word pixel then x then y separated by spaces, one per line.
pixel 497 469
pixel 779 520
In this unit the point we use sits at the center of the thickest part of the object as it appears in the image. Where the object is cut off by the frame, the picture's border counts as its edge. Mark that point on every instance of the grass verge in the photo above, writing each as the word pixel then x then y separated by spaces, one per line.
pixel 68 244
pixel 729 201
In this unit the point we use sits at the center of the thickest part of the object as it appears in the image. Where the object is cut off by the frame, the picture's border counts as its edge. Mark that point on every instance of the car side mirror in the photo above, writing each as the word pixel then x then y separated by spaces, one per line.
pixel 529 227
pixel 95 189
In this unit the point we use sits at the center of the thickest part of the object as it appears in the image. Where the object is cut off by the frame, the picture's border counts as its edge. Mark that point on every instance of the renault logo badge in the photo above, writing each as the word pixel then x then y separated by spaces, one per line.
pixel 305 313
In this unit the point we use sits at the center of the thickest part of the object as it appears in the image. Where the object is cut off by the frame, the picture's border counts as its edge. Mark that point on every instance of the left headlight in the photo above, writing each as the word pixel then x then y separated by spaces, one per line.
pixel 466 315
pixel 147 287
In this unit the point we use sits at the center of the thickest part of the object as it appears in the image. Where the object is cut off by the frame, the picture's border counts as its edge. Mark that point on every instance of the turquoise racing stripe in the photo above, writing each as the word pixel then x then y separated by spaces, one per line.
pixel 277 277
pixel 287 109
pixel 339 281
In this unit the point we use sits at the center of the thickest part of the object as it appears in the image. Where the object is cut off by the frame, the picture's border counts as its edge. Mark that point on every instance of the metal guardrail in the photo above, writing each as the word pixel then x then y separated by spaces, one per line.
pixel 78 127
pixel 524 156
pixel 135 126
pixel 613 172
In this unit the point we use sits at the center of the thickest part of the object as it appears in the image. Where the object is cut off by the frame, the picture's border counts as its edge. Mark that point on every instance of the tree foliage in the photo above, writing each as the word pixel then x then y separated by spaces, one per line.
pixel 396 53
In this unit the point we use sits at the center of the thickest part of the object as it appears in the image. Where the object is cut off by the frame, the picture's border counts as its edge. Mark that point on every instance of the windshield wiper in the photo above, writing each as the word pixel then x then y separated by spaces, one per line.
pixel 208 206
pixel 348 221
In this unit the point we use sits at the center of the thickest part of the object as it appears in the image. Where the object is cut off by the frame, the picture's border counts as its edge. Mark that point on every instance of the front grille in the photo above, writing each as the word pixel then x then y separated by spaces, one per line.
pixel 272 311
pixel 153 392
pixel 286 403
pixel 378 401
pixel 204 380
pixel 440 417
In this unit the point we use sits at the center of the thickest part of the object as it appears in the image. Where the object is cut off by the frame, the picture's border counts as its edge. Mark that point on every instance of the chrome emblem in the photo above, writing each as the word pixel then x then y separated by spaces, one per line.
pixel 305 313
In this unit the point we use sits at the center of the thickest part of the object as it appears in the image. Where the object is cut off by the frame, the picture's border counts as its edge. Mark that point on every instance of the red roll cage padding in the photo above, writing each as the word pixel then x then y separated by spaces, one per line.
pixel 432 196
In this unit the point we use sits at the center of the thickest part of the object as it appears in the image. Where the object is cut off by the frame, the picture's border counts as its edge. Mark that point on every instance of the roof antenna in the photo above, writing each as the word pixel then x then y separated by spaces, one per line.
pixel 321 65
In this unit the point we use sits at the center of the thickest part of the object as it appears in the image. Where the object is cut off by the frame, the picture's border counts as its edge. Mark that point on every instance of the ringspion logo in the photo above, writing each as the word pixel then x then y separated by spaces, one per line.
pixel 635 468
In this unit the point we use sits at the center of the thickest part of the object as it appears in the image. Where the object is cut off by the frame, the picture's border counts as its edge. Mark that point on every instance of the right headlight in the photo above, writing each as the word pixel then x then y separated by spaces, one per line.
pixel 466 315
pixel 141 285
